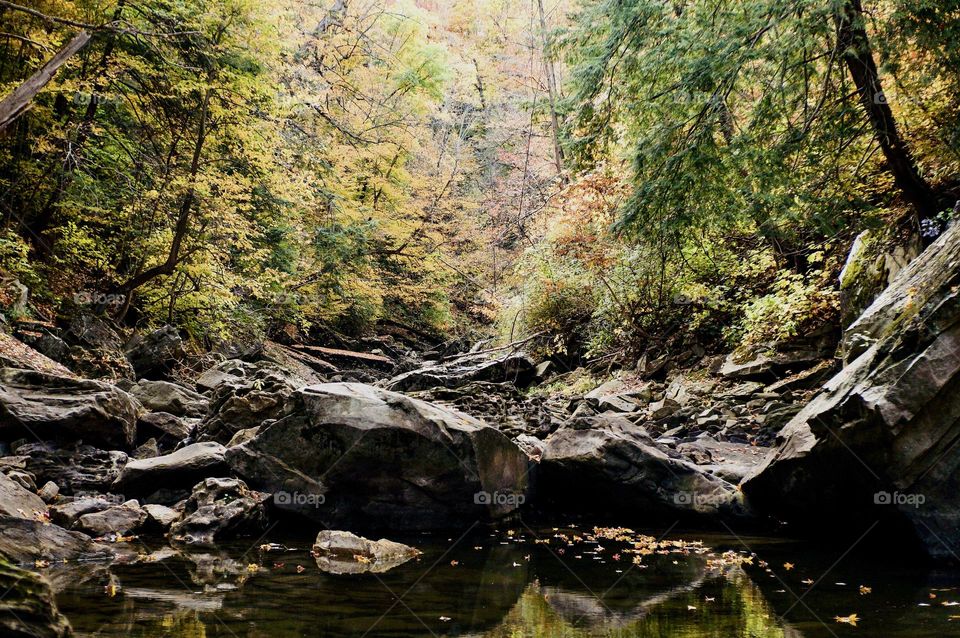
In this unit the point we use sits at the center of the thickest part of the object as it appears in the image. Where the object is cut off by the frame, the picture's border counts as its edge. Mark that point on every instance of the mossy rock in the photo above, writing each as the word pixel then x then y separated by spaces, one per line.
pixel 28 610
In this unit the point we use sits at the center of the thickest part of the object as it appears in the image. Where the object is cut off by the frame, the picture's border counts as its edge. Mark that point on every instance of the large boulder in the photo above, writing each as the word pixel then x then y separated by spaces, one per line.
pixel 615 464
pixel 220 509
pixel 34 404
pixel 27 607
pixel 878 442
pixel 514 368
pixel 352 454
pixel 155 354
pixel 163 396
pixel 169 478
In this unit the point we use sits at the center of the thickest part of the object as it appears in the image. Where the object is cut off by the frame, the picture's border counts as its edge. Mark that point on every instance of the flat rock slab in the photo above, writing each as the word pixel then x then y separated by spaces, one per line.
pixel 24 542
pixel 38 405
pixel 171 473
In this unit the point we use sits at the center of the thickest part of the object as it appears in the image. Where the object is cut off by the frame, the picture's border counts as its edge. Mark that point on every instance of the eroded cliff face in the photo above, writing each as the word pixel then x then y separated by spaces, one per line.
pixel 880 440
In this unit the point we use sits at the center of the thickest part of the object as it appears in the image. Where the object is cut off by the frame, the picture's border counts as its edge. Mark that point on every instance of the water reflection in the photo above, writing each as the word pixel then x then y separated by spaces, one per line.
pixel 506 586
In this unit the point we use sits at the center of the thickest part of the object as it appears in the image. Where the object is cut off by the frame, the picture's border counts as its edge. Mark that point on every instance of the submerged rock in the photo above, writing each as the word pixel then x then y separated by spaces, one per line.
pixel 352 454
pixel 345 553
pixel 878 442
pixel 66 409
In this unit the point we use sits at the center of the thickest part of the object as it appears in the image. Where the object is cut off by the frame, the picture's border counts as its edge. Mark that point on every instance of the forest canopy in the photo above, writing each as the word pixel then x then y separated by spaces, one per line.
pixel 614 175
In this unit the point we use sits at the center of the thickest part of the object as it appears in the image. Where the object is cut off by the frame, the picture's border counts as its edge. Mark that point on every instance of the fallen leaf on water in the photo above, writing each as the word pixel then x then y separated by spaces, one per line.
pixel 279 565
pixel 864 590
pixel 40 564
pixel 950 603
pixel 454 563
pixel 301 569
pixel 445 618
pixel 807 581
pixel 932 595
pixel 788 566
pixel 709 599
pixel 852 619
pixel 111 590
pixel 253 567
pixel 691 608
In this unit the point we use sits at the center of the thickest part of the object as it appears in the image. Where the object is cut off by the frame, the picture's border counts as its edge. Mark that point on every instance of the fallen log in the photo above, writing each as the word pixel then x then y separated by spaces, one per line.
pixel 348 355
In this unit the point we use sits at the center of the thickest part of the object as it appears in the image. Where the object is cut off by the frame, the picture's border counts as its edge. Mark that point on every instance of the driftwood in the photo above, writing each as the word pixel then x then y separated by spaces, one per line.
pixel 514 345
pixel 21 99
pixel 349 355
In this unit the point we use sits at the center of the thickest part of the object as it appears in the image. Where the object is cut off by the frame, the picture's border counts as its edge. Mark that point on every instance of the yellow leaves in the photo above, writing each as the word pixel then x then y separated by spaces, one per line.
pixel 852 619
pixel 788 566
pixel 864 590
pixel 363 560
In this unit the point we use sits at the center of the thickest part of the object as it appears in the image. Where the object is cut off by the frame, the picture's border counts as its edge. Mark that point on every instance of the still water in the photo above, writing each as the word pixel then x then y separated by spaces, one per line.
pixel 516 583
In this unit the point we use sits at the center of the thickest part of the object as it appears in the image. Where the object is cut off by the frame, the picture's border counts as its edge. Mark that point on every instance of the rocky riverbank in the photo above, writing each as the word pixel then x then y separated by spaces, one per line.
pixel 102 437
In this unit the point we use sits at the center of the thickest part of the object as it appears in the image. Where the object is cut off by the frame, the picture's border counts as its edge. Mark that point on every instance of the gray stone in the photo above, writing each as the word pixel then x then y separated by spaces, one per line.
pixel 163 396
pixel 345 553
pixel 24 542
pixel 380 459
pixel 27 607
pixel 219 509
pixel 887 423
pixel 119 519
pixel 163 478
pixel 18 502
pixel 49 492
pixel 515 368
pixel 160 517
pixel 620 466
pixel 66 514
pixel 66 409
pixel 155 354
pixel 76 469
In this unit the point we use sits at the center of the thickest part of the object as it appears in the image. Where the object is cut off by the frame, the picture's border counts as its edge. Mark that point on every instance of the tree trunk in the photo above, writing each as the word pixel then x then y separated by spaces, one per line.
pixel 21 99
pixel 552 90
pixel 183 218
pixel 854 44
